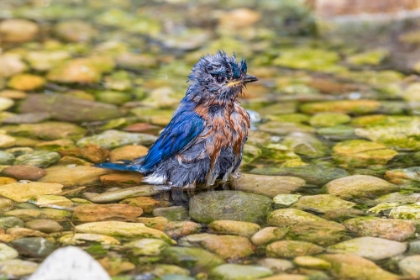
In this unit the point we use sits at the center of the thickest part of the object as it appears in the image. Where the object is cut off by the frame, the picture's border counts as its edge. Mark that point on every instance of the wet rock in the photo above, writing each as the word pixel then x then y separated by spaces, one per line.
pixel 74 31
pixel 109 196
pixel 268 185
pixel 17 268
pixel 291 216
pixel 128 152
pixel 359 186
pixel 136 61
pixel 280 128
pixel 33 246
pixel 276 265
pixel 22 192
pixel 7 141
pixel 353 266
pixel 11 222
pixel 239 18
pixel 91 153
pixel 400 176
pixel 7 253
pixel 410 266
pixel 70 261
pixel 115 266
pixel 45 60
pixel 35 117
pixel 329 119
pixel 337 133
pixel 145 203
pixel 113 138
pixel 357 153
pixel 108 212
pixel 113 97
pixel 146 247
pixel 40 159
pixel 342 106
pixel 268 235
pixel 173 213
pixel 153 116
pixel 6 103
pixel 180 229
pixel 234 228
pixel 83 238
pixel 11 64
pixel 311 262
pixel 6 204
pixel 168 271
pixel 69 108
pixel 312 174
pixel 305 144
pixel 31 214
pixel 286 277
pixel 6 158
pixel 322 203
pixel 123 229
pixel 52 201
pixel 369 247
pixel 191 257
pixel 24 172
pixel 397 230
pixel 73 175
pixel 122 179
pixel 291 249
pixel 229 205
pixel 47 226
pixel 239 271
pixel 321 232
pixel 18 30
pixel 399 198
pixel 228 246
pixel 12 94
pixel 19 233
pixel 163 97
pixel 405 212
pixel 373 57
pixel 26 82
pixel 285 200
pixel 7 180
pixel 46 130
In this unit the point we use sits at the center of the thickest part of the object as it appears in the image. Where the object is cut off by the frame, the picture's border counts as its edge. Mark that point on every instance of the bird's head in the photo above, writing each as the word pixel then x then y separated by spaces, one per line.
pixel 218 78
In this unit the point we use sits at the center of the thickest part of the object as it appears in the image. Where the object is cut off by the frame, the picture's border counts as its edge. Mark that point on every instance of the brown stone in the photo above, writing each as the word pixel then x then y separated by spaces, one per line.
pixel 24 172
pixel 144 202
pixel 121 179
pixel 92 153
pixel 128 152
pixel 108 212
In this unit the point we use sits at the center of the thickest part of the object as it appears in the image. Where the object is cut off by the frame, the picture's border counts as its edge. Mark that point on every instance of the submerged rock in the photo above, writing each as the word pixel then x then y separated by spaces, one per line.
pixel 108 212
pixel 329 119
pixel 245 229
pixel 40 159
pixel 22 192
pixel 410 266
pixel 36 247
pixel 239 271
pixel 228 246
pixel 26 82
pixel 46 130
pixel 291 249
pixel 190 257
pixel 342 106
pixel 322 203
pixel 18 30
pixel 114 138
pixel 320 232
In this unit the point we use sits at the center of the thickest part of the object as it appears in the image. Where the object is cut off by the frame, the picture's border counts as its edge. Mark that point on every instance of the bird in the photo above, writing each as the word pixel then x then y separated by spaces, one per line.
pixel 204 141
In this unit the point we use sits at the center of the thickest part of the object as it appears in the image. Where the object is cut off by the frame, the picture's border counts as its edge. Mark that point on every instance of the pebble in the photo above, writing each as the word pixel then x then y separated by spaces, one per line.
pixel 392 229
pixel 7 252
pixel 322 203
pixel 114 138
pixel 47 226
pixel 18 30
pixel 291 249
pixel 290 216
pixel 35 117
pixel 276 265
pixel 285 200
pixel 7 141
pixel 36 247
pixel 70 176
pixel 25 82
pixel 91 153
pixel 22 192
pixel 369 247
pixel 45 60
pixel 106 212
pixel 320 232
pixel 18 233
pixel 128 152
pixel 31 214
pixel 6 158
pixel 41 159
pixel 244 229
pixel 185 256
pixel 359 186
pixel 122 179
pixel 311 262
pixel 24 172
pixel 268 235
pixel 120 194
pixel 183 228
pixel 12 64
pixel 74 31
pixel 17 268
pixel 47 200
pixel 329 119
pixel 229 205
pixel 410 266
pixel 144 202
pixel 239 271
pixel 228 246
pixel 171 271
pixel 11 222
pixel 5 204
pixel 146 247
pixel 47 130
pixel 83 238
pixel 172 213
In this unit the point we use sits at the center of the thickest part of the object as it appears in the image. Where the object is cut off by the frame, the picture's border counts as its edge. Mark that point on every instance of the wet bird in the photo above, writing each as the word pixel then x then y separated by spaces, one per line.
pixel 204 141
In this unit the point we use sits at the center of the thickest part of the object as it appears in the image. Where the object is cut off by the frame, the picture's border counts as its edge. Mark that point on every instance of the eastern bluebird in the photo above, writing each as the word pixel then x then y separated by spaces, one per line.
pixel 205 138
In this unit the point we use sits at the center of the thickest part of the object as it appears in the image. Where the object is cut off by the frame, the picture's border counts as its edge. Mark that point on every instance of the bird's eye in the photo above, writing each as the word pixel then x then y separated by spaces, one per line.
pixel 220 78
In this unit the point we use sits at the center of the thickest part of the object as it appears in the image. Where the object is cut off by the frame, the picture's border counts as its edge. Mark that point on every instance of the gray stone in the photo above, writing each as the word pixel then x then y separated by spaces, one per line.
pixel 11 222
pixel 6 158
pixel 36 247
pixel 410 266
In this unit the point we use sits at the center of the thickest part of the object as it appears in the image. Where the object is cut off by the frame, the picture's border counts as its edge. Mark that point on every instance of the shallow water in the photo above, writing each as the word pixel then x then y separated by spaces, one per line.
pixel 330 177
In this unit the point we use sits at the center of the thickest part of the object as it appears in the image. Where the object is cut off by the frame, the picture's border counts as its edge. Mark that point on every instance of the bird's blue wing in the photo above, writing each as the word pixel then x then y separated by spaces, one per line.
pixel 183 128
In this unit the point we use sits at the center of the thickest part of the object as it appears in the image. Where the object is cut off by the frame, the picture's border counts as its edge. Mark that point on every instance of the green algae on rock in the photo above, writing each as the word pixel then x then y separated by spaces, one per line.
pixel 329 119
pixel 322 203
pixel 46 130
pixel 291 249
pixel 190 257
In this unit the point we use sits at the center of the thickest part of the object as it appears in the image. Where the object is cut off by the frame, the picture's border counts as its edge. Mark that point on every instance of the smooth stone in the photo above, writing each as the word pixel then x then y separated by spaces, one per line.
pixel 45 60
pixel 399 198
pixel 128 152
pixel 268 185
pixel 6 204
pixel 228 246
pixel 312 174
pixel 144 202
pixel 114 138
pixel 6 103
pixel 6 158
pixel 392 229
pixel 305 144
pixel 12 64
pixel 414 247
pixel 311 262
pixel 291 249
pixel 25 82
pixel 193 240
pixel 350 266
pixel 18 30
pixel 31 214
pixel 410 266
pixel 18 233
pixel 405 212
pixel 322 203
pixel 47 200
pixel 244 229
pixel 329 119
pixel 7 253
pixel 109 196
pixel 70 176
pixel 229 205
pixel 290 216
pixel 83 238
pixel 172 213
pixel 7 180
pixel 169 272
pixel 285 200
pixel 33 246
pixel 182 228
pixel 24 172
pixel 74 31
pixel 18 268
pixel 146 247
pixel 7 141
pixel 12 94
pixel 116 266
pixel 276 265
pixel 401 176
pixel 286 277
pixel 22 192
pixel 268 235
pixel 369 247
pixel 239 271
pixel 72 263
pixel 123 229
pixel 47 226
pixel 359 186
pixel 108 212
pixel 122 179
pixel 196 258
pixel 11 222
pixel 40 159
pixel 91 153
pixel 341 106
pixel 320 232
pixel 159 223
pixel 46 130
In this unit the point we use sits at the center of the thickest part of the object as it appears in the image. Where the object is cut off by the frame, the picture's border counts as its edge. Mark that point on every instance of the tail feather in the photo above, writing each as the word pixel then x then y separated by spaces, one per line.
pixel 117 166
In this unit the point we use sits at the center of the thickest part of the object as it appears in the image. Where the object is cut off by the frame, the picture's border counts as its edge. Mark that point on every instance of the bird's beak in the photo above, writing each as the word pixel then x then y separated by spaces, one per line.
pixel 249 79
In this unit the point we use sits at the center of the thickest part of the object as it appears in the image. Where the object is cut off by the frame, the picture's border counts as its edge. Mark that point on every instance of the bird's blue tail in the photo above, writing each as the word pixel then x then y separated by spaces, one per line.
pixel 117 166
